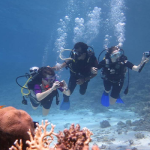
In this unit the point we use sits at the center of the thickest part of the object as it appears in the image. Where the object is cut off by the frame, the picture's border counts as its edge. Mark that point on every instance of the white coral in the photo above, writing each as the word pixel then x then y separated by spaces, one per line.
pixel 40 141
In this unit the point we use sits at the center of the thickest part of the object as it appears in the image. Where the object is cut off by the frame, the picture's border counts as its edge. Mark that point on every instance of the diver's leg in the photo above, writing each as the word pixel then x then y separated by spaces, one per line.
pixel 107 86
pixel 112 100
pixel 83 88
pixel 72 83
pixel 116 89
pixel 46 106
pixel 65 103
pixel 34 102
pixel 45 111
pixel 105 96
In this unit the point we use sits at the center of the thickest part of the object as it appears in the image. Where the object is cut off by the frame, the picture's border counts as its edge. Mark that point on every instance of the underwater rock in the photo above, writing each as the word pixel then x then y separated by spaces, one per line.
pixel 122 124
pixel 142 124
pixel 134 148
pixel 119 131
pixel 137 122
pixel 128 122
pixel 139 135
pixel 131 142
pixel 104 124
pixel 103 146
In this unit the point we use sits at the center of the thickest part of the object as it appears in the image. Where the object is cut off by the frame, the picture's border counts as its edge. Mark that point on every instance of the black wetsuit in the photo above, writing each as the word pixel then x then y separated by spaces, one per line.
pixel 113 74
pixel 80 69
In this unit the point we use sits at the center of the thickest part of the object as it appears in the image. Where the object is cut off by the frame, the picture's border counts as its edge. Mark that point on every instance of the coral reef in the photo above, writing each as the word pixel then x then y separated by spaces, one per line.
pixel 70 139
pixel 14 124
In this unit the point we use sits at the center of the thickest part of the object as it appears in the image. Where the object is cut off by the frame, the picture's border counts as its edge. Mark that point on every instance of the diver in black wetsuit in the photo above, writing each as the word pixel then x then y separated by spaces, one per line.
pixel 114 67
pixel 80 66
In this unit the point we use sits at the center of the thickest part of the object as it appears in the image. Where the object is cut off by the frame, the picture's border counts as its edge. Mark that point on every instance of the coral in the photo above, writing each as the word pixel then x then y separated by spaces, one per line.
pixel 72 139
pixel 14 124
pixel 41 139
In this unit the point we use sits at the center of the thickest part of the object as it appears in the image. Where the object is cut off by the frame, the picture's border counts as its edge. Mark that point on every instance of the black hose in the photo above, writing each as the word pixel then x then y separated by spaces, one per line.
pixel 26 75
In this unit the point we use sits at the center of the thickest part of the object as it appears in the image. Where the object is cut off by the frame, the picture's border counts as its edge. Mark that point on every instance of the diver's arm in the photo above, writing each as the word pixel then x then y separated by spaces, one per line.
pixel 41 96
pixel 58 67
pixel 137 68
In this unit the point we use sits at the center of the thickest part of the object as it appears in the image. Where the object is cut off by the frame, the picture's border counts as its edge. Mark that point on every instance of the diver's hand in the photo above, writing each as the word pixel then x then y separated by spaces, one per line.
pixel 94 70
pixel 80 81
pixel 56 85
pixel 145 59
pixel 65 86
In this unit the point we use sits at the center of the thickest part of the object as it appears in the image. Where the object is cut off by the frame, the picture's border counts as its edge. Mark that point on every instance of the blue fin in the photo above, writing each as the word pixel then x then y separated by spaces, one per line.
pixel 105 99
pixel 119 100
pixel 65 104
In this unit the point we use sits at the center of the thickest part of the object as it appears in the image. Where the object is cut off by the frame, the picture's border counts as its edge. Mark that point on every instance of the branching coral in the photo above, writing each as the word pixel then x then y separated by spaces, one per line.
pixel 72 139
pixel 41 140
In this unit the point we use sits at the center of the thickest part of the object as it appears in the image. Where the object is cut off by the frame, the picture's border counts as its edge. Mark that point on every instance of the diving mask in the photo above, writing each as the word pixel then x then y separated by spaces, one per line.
pixel 50 78
pixel 77 53
pixel 115 55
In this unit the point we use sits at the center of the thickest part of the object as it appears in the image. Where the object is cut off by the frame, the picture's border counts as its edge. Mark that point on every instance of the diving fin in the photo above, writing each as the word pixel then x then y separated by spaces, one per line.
pixel 65 104
pixel 119 100
pixel 105 99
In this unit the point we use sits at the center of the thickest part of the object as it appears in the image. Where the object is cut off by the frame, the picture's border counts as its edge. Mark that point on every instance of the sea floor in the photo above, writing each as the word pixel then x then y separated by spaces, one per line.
pixel 114 137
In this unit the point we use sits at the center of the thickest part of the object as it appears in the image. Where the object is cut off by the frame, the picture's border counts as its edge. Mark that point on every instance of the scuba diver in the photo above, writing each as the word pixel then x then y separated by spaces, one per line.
pixel 80 64
pixel 43 87
pixel 114 67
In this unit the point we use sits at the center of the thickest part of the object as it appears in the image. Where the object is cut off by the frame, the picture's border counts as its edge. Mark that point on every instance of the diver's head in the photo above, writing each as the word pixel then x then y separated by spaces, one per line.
pixel 115 53
pixel 33 70
pixel 48 75
pixel 80 50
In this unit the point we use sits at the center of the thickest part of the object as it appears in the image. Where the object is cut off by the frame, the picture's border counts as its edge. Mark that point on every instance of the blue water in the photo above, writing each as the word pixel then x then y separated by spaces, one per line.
pixel 30 31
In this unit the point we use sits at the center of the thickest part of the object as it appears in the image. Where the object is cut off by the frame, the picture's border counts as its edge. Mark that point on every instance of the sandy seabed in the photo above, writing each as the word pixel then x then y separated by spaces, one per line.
pixel 110 138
